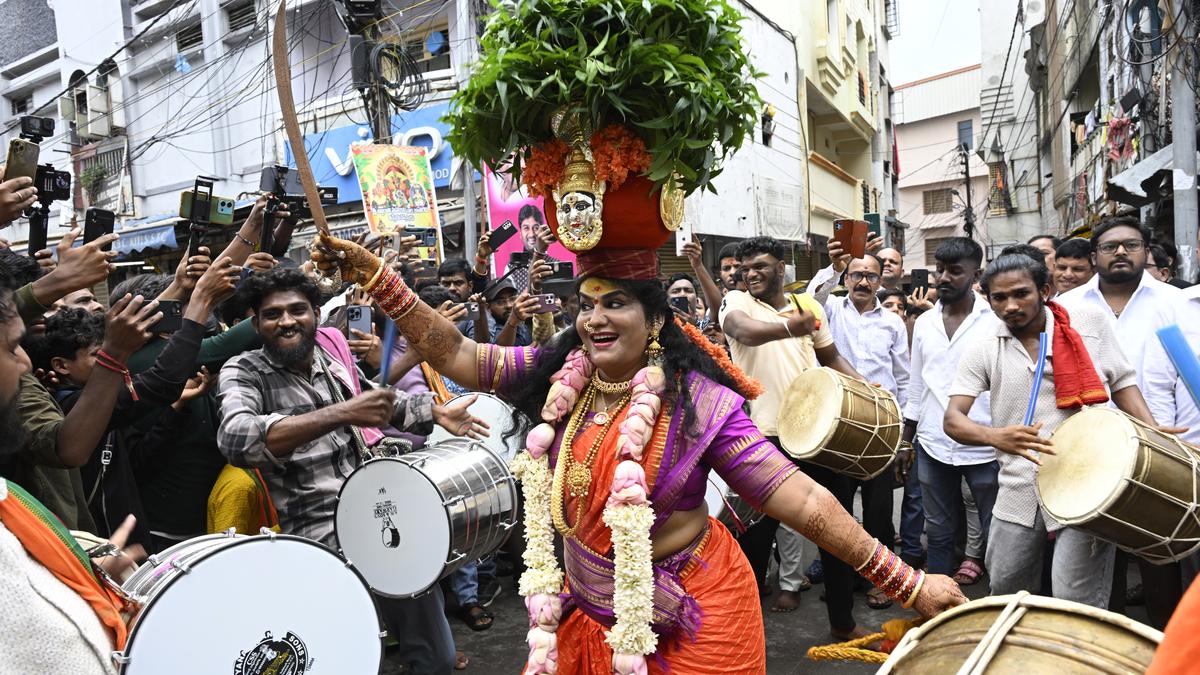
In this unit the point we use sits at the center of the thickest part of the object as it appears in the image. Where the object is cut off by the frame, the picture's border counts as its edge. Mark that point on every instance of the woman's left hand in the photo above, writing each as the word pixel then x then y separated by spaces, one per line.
pixel 356 263
pixel 455 418
pixel 938 594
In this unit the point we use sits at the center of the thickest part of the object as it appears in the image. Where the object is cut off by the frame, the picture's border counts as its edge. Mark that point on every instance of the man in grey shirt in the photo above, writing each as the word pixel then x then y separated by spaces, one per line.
pixel 1017 288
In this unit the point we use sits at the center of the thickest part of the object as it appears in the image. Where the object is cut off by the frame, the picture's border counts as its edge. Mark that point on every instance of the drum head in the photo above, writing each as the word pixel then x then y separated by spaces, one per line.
pixel 1095 450
pixel 714 495
pixel 499 416
pixel 391 525
pixel 810 410
pixel 259 605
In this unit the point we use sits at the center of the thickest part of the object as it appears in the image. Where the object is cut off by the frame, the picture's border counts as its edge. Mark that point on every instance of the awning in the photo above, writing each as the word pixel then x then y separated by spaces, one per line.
pixel 156 234
pixel 1145 182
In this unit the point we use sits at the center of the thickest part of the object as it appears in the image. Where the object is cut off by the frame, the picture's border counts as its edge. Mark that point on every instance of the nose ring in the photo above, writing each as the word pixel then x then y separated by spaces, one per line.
pixel 588 328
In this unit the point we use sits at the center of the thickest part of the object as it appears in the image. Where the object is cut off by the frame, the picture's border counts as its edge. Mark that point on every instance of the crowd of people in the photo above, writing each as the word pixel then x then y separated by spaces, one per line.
pixel 255 408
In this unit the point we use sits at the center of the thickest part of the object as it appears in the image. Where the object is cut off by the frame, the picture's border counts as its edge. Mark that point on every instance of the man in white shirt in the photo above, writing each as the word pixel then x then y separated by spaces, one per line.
pixel 940 337
pixel 1136 304
pixel 773 340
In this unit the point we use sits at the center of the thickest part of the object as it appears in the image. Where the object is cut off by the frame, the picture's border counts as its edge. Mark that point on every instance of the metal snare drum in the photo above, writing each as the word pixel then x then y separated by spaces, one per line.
pixel 1116 478
pixel 405 522
pixel 252 601
pixel 840 423
pixel 1025 634
pixel 498 415
pixel 728 506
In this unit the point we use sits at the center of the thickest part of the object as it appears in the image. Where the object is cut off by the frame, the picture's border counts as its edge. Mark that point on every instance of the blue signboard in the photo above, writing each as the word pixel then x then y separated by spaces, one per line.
pixel 329 150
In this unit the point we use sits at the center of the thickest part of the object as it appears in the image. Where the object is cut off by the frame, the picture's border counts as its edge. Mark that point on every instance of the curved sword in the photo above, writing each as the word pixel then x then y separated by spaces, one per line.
pixel 287 106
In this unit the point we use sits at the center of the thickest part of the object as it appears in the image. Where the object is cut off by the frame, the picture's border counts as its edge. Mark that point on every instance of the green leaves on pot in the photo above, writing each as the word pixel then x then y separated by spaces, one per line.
pixel 675 72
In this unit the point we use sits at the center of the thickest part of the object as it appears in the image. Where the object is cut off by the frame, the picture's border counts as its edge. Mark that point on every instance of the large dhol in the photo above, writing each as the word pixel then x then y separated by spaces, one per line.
pixel 498 415
pixel 227 603
pixel 840 423
pixel 1118 479
pixel 405 522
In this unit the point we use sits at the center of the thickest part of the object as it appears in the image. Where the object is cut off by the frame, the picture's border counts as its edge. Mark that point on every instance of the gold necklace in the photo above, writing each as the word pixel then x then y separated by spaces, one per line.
pixel 610 387
pixel 572 475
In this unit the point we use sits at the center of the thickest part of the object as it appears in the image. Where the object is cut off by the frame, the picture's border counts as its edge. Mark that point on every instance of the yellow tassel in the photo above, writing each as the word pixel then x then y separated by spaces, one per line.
pixel 855 650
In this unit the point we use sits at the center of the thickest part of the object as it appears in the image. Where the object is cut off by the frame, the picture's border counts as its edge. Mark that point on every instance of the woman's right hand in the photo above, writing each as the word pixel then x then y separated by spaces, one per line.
pixel 938 594
pixel 356 263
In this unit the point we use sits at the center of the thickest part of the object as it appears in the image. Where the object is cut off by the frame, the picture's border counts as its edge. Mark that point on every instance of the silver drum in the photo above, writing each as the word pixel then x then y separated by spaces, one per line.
pixel 728 506
pixel 406 522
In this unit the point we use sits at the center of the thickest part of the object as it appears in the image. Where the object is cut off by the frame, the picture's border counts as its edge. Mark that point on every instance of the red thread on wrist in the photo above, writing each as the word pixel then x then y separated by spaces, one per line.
pixel 109 362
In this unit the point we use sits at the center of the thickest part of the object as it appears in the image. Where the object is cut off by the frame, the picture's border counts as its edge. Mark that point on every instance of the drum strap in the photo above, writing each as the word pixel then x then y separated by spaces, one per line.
pixel 360 443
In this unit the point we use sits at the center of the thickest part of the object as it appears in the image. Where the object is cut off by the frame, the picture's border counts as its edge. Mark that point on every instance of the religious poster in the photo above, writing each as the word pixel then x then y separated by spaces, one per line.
pixel 398 193
pixel 507 201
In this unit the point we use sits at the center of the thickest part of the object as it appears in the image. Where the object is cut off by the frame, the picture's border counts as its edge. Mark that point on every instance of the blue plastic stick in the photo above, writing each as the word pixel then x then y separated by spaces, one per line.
pixel 1043 342
pixel 1181 354
pixel 389 341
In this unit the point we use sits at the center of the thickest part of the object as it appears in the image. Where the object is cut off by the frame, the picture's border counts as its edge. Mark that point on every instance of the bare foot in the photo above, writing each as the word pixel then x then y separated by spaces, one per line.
pixel 846 636
pixel 787 601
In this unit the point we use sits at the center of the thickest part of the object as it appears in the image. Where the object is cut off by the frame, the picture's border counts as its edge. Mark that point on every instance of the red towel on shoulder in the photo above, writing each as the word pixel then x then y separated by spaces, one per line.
pixel 1076 382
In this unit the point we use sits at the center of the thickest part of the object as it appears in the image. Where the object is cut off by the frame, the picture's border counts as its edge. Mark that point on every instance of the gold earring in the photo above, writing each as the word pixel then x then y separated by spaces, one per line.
pixel 654 350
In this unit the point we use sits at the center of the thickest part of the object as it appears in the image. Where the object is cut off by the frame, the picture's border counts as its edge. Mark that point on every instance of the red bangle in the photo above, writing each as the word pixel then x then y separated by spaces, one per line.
pixel 108 362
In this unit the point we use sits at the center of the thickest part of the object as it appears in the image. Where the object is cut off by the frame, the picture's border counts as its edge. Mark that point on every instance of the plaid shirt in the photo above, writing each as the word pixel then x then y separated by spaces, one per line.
pixel 256 391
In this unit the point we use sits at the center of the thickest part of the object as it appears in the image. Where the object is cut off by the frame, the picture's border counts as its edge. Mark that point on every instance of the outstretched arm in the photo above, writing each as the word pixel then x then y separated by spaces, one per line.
pixel 430 333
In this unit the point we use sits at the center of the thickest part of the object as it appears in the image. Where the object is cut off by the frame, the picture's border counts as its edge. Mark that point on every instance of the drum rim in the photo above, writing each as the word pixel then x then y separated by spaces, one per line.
pixel 480 394
pixel 841 387
pixel 236 541
pixel 1029 600
pixel 449 542
pixel 1122 480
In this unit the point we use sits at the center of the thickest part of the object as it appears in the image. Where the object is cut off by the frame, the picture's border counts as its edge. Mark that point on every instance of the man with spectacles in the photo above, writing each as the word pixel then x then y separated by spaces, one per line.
pixel 1137 305
pixel 875 341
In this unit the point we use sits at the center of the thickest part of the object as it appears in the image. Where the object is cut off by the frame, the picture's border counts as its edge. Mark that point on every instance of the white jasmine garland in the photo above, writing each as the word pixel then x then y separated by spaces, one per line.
pixel 542 574
pixel 633 582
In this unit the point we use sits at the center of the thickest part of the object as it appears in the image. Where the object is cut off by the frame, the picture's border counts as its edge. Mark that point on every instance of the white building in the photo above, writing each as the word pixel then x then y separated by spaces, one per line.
pixel 935 118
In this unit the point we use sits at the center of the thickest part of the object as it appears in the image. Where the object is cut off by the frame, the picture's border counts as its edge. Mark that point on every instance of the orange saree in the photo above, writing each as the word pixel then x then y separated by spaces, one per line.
pixel 717 576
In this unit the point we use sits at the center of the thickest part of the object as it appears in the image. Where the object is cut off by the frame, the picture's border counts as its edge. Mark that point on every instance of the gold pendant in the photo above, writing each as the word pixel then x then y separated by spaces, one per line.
pixel 601 418
pixel 579 479
pixel 670 204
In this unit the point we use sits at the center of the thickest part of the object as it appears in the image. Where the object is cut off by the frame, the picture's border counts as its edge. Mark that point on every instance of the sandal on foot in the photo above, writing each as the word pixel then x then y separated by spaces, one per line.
pixel 476 617
pixel 877 599
pixel 968 573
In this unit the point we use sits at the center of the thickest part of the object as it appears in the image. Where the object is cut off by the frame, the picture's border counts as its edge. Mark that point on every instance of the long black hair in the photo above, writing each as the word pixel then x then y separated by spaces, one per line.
pixel 680 356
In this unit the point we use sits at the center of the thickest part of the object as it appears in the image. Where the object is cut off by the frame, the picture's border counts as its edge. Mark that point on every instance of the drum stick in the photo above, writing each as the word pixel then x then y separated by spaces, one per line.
pixel 1184 359
pixel 1043 342
pixel 389 341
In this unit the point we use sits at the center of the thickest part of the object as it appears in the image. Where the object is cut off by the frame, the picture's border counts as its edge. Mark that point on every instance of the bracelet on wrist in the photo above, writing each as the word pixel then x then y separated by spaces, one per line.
pixel 110 362
pixel 245 241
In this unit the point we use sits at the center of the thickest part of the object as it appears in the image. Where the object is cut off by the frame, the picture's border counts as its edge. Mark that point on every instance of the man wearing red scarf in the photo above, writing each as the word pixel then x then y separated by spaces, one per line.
pixel 1084 362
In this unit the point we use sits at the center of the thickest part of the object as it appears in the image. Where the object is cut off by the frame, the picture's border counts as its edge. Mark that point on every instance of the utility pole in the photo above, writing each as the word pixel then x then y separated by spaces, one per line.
pixel 1183 130
pixel 464 56
pixel 969 214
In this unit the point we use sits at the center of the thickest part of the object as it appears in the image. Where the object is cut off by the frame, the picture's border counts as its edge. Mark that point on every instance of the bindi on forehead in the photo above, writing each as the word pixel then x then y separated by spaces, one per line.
pixel 597 288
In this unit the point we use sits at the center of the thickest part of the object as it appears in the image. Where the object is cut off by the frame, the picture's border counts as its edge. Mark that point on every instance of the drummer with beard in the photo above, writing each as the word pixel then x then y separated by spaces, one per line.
pixel 1083 363
pixel 280 414
pixel 774 341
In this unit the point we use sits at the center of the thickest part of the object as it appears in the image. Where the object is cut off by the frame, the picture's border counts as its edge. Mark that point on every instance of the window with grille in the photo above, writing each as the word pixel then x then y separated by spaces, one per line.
pixel 189 38
pixel 999 199
pixel 931 245
pixel 242 16
pixel 938 201
pixel 21 105
pixel 965 132
pixel 866 197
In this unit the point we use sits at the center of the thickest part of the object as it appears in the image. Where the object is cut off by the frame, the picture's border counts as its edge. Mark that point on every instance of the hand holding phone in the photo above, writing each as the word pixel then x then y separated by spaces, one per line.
pixel 547 303
pixel 172 317
pixel 920 279
pixel 22 159
pixel 852 235
pixel 358 317
pixel 97 223
pixel 502 234
pixel 683 236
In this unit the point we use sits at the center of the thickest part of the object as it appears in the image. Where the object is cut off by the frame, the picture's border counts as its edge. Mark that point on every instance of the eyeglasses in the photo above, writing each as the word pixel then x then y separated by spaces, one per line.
pixel 856 277
pixel 1131 246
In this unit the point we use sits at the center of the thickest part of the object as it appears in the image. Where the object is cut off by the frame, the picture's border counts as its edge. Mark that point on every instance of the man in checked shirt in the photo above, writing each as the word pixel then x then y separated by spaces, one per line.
pixel 279 414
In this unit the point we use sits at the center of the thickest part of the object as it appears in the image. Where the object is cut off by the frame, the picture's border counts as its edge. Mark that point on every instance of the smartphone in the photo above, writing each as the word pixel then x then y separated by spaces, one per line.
pixel 874 228
pixel 172 317
pixel 472 309
pixel 221 212
pixel 547 302
pixel 563 270
pixel 426 236
pixel 682 304
pixel 22 159
pixel 97 223
pixel 501 234
pixel 920 279
pixel 683 236
pixel 358 317
pixel 852 235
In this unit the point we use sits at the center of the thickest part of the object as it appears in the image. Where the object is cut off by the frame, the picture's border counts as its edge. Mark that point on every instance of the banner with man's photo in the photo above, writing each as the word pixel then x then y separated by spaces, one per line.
pixel 507 201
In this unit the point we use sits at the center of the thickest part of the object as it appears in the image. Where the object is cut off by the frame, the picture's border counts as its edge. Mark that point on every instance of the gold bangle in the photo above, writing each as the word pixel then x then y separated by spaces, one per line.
pixel 375 278
pixel 912 598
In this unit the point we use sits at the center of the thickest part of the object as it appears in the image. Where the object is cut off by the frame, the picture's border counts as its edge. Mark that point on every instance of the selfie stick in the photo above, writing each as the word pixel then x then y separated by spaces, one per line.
pixel 389 341
pixel 1043 342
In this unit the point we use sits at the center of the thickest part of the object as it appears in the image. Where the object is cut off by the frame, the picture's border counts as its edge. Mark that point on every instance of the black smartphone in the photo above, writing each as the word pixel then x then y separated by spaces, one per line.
pixel 358 317
pixel 472 309
pixel 97 223
pixel 682 304
pixel 920 279
pixel 501 234
pixel 874 227
pixel 172 317
pixel 519 259
pixel 563 270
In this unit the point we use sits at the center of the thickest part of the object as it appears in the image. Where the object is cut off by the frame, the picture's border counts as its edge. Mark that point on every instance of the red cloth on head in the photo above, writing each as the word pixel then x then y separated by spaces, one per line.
pixel 1076 382
pixel 618 263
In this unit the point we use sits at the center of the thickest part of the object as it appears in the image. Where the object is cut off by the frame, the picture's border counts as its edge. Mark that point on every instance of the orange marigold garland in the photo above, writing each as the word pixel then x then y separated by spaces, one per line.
pixel 544 167
pixel 616 153
pixel 746 386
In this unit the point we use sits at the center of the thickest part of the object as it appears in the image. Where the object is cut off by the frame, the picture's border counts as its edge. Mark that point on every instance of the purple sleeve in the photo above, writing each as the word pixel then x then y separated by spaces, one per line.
pixel 751 465
pixel 504 370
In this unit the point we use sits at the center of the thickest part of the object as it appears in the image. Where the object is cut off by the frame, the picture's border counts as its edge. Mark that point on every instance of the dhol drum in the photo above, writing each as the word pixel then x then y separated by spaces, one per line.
pixel 728 507
pixel 1025 634
pixel 229 603
pixel 499 416
pixel 1118 479
pixel 405 522
pixel 840 423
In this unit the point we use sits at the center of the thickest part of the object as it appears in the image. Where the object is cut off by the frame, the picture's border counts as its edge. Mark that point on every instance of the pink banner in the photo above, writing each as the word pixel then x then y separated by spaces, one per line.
pixel 506 201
